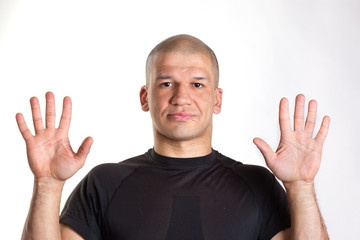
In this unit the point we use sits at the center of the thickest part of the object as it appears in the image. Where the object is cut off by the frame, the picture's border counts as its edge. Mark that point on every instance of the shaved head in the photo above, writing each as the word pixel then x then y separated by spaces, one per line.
pixel 187 45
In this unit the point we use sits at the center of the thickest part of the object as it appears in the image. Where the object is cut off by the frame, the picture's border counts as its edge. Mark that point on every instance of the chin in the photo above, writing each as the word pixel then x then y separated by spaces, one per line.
pixel 182 134
pixel 180 138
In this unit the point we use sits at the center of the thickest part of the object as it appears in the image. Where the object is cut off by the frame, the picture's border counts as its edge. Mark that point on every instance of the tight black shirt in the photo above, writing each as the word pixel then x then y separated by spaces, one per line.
pixel 153 197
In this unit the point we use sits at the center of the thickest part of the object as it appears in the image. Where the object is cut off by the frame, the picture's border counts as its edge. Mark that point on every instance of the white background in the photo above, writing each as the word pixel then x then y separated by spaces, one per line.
pixel 95 51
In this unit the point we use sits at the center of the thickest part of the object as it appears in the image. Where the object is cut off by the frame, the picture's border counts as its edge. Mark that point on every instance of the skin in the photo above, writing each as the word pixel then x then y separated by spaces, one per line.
pixel 181 97
pixel 186 44
pixel 296 163
pixel 52 161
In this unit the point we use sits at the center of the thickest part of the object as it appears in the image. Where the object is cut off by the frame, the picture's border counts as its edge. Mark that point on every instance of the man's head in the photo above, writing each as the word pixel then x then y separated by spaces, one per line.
pixel 185 44
pixel 181 90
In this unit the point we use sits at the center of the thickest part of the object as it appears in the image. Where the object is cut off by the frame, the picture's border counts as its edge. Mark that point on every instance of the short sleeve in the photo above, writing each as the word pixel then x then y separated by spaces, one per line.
pixel 86 206
pixel 271 198
pixel 82 210
pixel 275 211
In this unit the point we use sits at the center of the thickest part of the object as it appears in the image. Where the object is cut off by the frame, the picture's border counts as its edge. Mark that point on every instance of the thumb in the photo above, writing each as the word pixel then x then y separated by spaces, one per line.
pixel 84 148
pixel 265 150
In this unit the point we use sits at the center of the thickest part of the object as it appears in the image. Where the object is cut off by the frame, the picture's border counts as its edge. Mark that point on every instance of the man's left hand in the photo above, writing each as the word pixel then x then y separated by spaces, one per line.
pixel 298 156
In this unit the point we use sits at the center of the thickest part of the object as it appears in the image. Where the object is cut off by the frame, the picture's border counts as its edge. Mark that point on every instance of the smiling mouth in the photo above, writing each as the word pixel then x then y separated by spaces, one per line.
pixel 181 116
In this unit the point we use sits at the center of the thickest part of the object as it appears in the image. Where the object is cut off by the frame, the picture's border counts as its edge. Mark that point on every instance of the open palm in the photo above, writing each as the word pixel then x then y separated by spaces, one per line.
pixel 49 152
pixel 298 155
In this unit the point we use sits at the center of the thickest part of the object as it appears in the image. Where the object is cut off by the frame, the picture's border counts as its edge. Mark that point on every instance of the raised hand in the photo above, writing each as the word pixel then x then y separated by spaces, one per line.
pixel 49 152
pixel 298 156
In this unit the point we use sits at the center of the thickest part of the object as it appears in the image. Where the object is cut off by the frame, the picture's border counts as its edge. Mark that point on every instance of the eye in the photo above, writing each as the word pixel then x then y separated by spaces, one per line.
pixel 166 84
pixel 198 85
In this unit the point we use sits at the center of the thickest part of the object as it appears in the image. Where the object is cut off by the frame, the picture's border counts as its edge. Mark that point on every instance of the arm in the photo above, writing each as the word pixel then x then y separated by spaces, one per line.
pixel 52 162
pixel 296 162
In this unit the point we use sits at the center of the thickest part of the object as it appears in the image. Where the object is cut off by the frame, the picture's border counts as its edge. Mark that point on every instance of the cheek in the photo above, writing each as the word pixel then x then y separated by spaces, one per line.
pixel 206 103
pixel 157 103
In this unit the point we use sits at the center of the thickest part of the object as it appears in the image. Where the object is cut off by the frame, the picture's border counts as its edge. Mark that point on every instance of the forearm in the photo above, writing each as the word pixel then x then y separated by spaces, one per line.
pixel 43 218
pixel 306 219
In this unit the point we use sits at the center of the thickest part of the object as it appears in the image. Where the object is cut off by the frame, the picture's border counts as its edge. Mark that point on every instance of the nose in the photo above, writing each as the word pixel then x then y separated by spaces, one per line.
pixel 181 96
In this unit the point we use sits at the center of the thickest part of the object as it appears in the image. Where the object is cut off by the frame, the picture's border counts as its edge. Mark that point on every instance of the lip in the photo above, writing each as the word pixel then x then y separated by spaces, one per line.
pixel 181 116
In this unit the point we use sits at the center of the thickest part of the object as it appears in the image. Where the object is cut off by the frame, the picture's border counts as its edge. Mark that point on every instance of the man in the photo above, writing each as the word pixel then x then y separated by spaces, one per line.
pixel 182 188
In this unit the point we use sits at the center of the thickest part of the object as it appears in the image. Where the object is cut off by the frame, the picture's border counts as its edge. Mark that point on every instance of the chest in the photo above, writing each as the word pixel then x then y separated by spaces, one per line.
pixel 182 204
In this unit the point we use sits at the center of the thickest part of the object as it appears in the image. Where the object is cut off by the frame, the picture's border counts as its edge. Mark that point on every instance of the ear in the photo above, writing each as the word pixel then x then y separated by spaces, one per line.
pixel 218 100
pixel 144 99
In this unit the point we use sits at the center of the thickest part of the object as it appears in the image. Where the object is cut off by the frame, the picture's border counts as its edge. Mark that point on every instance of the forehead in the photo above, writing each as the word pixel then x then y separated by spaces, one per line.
pixel 179 60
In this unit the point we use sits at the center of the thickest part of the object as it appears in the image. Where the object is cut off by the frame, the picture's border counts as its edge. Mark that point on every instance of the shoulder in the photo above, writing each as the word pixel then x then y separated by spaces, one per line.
pixel 110 175
pixel 247 170
pixel 257 177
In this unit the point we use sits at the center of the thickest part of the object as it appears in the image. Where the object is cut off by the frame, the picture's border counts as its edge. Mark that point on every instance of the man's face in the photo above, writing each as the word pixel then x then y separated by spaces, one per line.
pixel 181 96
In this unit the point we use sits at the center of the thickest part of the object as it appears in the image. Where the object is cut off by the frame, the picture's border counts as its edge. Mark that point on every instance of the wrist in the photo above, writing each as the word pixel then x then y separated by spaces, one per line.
pixel 48 184
pixel 299 186
pixel 301 194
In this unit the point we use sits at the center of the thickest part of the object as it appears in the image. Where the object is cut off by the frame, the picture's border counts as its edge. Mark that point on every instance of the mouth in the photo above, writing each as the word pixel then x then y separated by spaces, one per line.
pixel 181 116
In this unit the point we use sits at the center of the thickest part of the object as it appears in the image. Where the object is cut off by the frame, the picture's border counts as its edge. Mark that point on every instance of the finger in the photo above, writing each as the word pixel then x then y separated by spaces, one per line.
pixel 265 150
pixel 24 130
pixel 284 118
pixel 321 135
pixel 50 110
pixel 299 112
pixel 36 114
pixel 311 117
pixel 84 148
pixel 66 115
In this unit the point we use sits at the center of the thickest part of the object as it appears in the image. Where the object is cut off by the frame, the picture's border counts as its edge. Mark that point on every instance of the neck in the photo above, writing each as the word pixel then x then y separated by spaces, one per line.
pixel 182 148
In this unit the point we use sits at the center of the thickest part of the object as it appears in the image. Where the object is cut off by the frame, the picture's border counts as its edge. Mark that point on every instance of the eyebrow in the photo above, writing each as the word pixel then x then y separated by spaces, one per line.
pixel 201 78
pixel 164 77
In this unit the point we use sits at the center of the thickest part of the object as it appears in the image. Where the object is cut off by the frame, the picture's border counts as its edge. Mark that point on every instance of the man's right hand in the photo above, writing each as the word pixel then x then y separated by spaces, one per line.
pixel 49 152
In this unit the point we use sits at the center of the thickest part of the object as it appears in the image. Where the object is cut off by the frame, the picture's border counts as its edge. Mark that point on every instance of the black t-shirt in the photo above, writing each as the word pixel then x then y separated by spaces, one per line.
pixel 160 198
